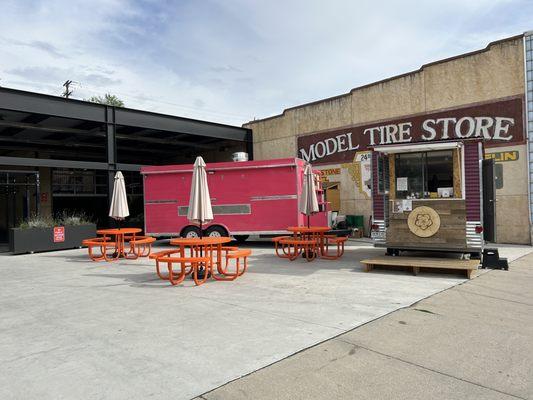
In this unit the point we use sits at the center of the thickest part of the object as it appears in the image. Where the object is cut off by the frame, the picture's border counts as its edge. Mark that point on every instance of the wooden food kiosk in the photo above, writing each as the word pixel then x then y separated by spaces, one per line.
pixel 428 196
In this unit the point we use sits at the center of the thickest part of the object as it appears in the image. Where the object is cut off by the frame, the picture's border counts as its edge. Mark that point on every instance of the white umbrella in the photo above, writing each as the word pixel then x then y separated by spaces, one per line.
pixel 119 202
pixel 308 200
pixel 200 210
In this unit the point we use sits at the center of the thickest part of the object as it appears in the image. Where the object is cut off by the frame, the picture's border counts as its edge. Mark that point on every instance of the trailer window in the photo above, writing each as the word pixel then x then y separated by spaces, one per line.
pixel 224 209
pixel 424 175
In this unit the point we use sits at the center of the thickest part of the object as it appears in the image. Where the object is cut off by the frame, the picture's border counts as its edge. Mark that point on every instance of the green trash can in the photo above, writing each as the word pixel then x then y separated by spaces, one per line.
pixel 355 221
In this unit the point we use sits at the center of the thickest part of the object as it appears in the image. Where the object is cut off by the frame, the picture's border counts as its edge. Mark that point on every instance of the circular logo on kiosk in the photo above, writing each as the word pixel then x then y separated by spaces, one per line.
pixel 423 221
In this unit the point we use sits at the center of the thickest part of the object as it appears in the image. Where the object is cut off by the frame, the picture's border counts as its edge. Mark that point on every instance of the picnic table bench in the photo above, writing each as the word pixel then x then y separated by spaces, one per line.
pixel 141 246
pixel 293 247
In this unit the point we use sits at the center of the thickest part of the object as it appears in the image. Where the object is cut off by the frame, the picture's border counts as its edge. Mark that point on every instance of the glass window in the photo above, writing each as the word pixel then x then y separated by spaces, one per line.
pixel 424 175
pixel 409 175
pixel 439 167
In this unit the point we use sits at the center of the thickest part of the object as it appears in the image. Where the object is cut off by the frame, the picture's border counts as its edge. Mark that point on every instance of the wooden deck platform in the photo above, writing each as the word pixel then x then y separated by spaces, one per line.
pixel 469 266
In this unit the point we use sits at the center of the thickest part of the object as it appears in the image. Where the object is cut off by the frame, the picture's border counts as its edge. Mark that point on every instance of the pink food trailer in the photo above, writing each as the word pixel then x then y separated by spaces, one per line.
pixel 248 198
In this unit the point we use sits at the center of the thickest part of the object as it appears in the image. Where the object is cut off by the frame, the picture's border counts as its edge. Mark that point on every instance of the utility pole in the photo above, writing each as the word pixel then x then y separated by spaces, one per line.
pixel 67 92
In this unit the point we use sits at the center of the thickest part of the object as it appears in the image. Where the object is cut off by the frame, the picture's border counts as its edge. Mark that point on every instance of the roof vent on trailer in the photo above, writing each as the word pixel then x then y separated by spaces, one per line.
pixel 240 156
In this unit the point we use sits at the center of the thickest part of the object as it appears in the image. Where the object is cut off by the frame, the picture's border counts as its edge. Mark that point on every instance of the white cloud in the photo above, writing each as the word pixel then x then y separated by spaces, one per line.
pixel 233 60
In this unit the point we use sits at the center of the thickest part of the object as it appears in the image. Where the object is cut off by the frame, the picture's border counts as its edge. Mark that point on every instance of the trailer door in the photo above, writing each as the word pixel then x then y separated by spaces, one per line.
pixel 489 201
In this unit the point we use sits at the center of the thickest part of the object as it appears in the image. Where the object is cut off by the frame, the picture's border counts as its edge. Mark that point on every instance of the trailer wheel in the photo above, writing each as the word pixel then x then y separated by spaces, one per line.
pixel 392 252
pixel 241 238
pixel 216 231
pixel 190 232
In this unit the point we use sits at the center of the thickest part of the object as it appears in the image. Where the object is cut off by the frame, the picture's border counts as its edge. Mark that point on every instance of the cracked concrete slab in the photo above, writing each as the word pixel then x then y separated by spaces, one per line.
pixel 340 370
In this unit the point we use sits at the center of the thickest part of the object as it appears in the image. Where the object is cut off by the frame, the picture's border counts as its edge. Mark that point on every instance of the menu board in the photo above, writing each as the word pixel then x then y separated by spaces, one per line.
pixel 401 184
pixel 401 206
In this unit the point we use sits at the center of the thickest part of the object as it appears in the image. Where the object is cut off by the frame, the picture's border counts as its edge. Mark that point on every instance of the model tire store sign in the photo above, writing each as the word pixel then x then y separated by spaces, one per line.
pixel 498 123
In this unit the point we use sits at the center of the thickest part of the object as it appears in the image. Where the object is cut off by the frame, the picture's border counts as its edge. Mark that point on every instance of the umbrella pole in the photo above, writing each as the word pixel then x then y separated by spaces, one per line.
pixel 201 236
pixel 201 271
pixel 308 200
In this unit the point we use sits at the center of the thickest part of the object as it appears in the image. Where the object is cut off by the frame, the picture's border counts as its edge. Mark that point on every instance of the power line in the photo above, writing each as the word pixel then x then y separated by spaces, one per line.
pixel 207 113
pixel 145 99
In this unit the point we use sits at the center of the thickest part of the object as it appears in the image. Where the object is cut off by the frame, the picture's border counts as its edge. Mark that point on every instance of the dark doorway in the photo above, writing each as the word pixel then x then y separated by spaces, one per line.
pixel 19 198
pixel 489 201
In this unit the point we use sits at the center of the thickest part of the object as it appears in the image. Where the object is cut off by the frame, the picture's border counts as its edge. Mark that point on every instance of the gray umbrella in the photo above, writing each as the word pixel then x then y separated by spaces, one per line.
pixel 200 210
pixel 308 200
pixel 119 201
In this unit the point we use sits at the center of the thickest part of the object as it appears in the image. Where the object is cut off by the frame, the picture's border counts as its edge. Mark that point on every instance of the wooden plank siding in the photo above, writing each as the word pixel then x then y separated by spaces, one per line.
pixel 452 232
pixel 457 185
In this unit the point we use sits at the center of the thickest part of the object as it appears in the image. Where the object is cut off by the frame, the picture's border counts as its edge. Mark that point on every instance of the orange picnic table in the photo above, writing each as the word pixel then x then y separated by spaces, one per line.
pixel 315 233
pixel 203 253
pixel 207 246
pixel 312 241
pixel 119 234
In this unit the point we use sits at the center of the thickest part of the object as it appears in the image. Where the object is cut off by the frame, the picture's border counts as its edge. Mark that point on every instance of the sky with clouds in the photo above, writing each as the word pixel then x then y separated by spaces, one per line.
pixel 231 61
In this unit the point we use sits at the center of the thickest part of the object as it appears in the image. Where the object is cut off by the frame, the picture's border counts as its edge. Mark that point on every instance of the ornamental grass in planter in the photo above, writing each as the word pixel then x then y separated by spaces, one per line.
pixel 44 233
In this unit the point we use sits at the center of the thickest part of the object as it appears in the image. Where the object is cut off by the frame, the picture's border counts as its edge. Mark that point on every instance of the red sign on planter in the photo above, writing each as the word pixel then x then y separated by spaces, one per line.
pixel 59 234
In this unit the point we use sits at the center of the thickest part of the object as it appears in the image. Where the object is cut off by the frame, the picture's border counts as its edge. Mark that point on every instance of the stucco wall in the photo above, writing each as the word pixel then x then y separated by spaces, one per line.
pixel 492 73
pixel 512 224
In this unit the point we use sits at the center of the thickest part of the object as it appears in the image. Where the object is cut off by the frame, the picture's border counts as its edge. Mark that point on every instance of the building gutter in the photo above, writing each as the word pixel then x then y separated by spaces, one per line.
pixel 528 70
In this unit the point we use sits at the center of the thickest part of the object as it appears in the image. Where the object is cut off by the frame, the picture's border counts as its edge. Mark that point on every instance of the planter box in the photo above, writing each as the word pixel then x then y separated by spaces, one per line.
pixel 46 239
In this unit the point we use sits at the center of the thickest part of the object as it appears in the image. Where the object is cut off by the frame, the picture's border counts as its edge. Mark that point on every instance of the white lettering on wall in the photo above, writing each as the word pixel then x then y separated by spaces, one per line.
pixel 445 124
pixel 429 132
pixel 370 132
pixel 320 149
pixel 502 126
pixel 487 128
pixel 483 124
pixel 341 143
pixel 404 131
pixel 308 156
pixel 464 128
pixel 391 131
pixel 329 146
pixel 350 145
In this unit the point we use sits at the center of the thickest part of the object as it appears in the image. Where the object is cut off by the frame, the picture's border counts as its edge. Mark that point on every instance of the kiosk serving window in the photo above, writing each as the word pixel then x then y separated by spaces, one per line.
pixel 423 175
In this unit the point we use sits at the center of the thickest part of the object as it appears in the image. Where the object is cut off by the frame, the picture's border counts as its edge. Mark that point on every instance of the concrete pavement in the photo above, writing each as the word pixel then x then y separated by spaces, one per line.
pixel 473 341
pixel 74 329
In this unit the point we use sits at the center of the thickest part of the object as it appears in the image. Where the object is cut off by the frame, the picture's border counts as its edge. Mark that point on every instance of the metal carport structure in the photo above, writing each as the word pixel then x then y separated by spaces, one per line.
pixel 40 131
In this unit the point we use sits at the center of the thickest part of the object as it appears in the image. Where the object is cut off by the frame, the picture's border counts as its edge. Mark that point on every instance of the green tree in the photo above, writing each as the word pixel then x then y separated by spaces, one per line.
pixel 107 99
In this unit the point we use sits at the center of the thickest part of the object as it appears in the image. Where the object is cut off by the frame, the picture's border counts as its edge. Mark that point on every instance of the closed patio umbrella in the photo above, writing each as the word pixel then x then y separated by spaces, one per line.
pixel 308 200
pixel 119 202
pixel 200 210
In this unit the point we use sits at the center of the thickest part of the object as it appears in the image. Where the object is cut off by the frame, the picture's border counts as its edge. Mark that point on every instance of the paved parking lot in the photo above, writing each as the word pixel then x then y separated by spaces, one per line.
pixel 72 328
